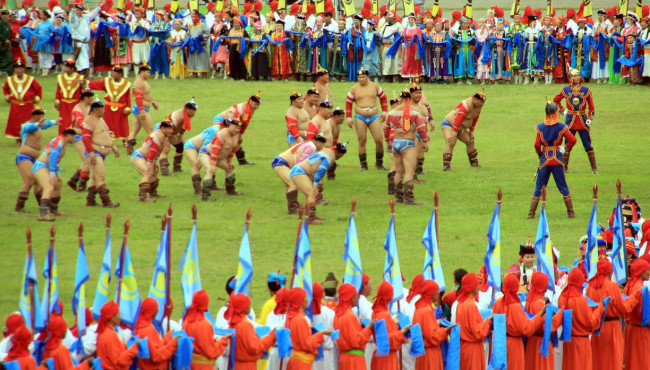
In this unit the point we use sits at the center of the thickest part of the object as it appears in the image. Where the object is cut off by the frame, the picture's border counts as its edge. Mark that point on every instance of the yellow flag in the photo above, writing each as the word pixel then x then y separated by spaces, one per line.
pixel 219 5
pixel 409 7
pixel 549 7
pixel 174 7
pixel 348 6
pixel 468 9
pixel 392 6
pixel 194 5
pixel 120 4
pixel 320 6
pixel 304 6
pixel 622 7
pixel 587 11
pixel 375 6
pixel 436 8
pixel 639 9
pixel 282 4
pixel 515 8
pixel 235 4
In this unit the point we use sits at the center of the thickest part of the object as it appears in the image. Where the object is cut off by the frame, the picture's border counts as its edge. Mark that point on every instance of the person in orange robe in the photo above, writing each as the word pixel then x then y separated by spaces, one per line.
pixel 636 354
pixel 352 338
pixel 577 352
pixel 206 349
pixel 118 101
pixel 19 351
pixel 517 323
pixel 473 329
pixel 68 93
pixel 535 303
pixel 432 334
pixel 161 350
pixel 111 351
pixel 248 346
pixel 607 348
pixel 56 350
pixel 23 92
pixel 305 344
pixel 395 336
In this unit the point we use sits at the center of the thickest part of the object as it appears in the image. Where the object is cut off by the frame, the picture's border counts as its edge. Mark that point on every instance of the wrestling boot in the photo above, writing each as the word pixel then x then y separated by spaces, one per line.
pixel 20 202
pixel 90 197
pixel 83 181
pixel 473 161
pixel 153 189
pixel 130 146
pixel 408 194
pixel 196 184
pixel 143 193
pixel 319 198
pixel 313 219
pixel 569 206
pixel 206 192
pixel 379 161
pixel 164 167
pixel 106 200
pixel 215 186
pixel 293 206
pixel 44 211
pixel 363 161
pixel 391 182
pixel 38 197
pixel 241 158
pixel 74 180
pixel 399 193
pixel 533 207
pixel 419 167
pixel 446 162
pixel 331 174
pixel 592 161
pixel 54 207
pixel 230 186
pixel 178 159
pixel 565 157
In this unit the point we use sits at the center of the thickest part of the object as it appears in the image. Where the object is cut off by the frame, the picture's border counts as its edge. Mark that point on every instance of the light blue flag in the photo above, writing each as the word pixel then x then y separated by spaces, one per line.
pixel 544 249
pixel 352 257
pixel 51 289
pixel 79 297
pixel 101 293
pixel 432 269
pixel 245 268
pixel 591 254
pixel 29 302
pixel 129 295
pixel 159 289
pixel 392 271
pixel 191 276
pixel 493 255
pixel 302 276
pixel 618 247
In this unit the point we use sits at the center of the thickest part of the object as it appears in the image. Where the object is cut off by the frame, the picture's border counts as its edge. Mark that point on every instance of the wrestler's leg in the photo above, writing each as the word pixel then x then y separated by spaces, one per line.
pixel 450 142
pixel 305 185
pixel 193 157
pixel 472 153
pixel 360 127
pixel 378 136
pixel 25 169
pixel 409 160
pixel 283 174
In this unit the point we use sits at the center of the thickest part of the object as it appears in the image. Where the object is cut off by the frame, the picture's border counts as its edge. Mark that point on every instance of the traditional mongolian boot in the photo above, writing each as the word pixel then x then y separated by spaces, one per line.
pixel 206 192
pixel 391 182
pixel 331 174
pixel 293 206
pixel 196 184
pixel 592 161
pixel 230 186
pixel 473 161
pixel 106 199
pixel 215 186
pixel 419 167
pixel 569 206
pixel 164 167
pixel 379 161
pixel 83 181
pixel 363 161
pixel 20 202
pixel 38 197
pixel 313 219
pixel 533 207
pixel 143 194
pixel 130 146
pixel 399 193
pixel 74 180
pixel 44 211
pixel 408 194
pixel 90 197
pixel 178 159
pixel 54 206
pixel 566 156
pixel 153 189
pixel 446 162
pixel 319 198
pixel 241 158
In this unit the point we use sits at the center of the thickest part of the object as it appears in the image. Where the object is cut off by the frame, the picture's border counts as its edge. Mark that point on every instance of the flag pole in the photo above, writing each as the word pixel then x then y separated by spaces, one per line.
pixel 435 212
pixel 31 282
pixel 619 191
pixel 127 224
pixel 168 263
pixel 163 223
pixel 301 211
pixel 248 221
pixel 391 203
pixel 49 280
pixel 81 238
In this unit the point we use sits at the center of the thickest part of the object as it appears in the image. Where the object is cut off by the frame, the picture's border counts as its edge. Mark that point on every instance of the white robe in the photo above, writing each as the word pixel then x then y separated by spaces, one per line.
pixel 330 359
pixel 274 321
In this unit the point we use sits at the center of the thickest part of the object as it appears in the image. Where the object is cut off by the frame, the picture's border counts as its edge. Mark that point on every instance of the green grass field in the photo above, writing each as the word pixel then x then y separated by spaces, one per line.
pixel 504 138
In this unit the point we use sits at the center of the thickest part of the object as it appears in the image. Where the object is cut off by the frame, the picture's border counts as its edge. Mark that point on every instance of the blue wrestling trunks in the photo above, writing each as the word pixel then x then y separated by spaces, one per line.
pixel 297 170
pixel 38 165
pixel 279 161
pixel 23 157
pixel 77 138
pixel 204 150
pixel 399 145
pixel 445 123
pixel 156 126
pixel 217 119
pixel 290 138
pixel 136 154
pixel 135 110
pixel 188 145
pixel 97 154
pixel 367 120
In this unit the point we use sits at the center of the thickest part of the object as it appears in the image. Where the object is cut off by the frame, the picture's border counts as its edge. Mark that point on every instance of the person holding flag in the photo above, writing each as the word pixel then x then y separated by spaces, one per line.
pixel 111 351
pixel 305 344
pixel 161 350
pixel 353 338
pixel 206 348
pixel 325 316
pixel 636 354
pixel 396 338
pixel 248 347
pixel 432 334
pixel 56 350
pixel 20 342
pixel 473 329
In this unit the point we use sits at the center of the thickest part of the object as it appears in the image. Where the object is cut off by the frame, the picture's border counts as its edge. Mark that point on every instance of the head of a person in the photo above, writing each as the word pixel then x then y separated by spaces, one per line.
pixel 438 26
pixel 458 275
pixel 38 115
pixel 196 16
pixel 279 26
pixel 319 141
pixel 363 76
pixel 14 321
pixel 178 24
pixel 69 135
pixel 230 285
pixel 356 20
pixel 416 93
pixel 342 25
pixel 370 25
pixel 313 96
pixel 190 108
pixel 527 255
pixel 5 15
pixel 139 13
pixel 296 100
pixel 322 76
pixel 44 15
pixel 118 72
pixel 411 19
pixel 144 71
pixel 254 101
pixel 532 20
pixel 478 99
pixel 327 17
pixel 325 109
pixel 318 22
pixel 499 25
pixel 340 149
pixel 166 128
pixel 233 125
pixel 517 19
pixel 97 108
pixel 275 282
pixel 338 116
pixel 19 67
pixel 575 77
pixel 348 295
pixel 601 15
pixel 87 96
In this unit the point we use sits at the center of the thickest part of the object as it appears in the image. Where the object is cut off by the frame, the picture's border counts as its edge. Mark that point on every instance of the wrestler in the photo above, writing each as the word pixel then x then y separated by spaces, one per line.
pixel 143 103
pixel 405 122
pixel 283 162
pixel 80 177
pixel 47 172
pixel 244 113
pixel 364 95
pixel 420 104
pixel 98 143
pixel 319 125
pixel 297 119
pixel 321 84
pixel 68 93
pixel 335 122
pixel 30 146
pixel 394 102
pixel 191 150
pixel 181 121
pixel 221 150
pixel 306 175
pixel 144 161
pixel 311 102
pixel 459 124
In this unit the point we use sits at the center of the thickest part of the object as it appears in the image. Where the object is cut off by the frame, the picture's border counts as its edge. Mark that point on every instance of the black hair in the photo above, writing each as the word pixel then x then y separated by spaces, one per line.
pixel 405 95
pixel 338 112
pixel 312 92
pixel 96 104
pixel 320 138
pixel 459 274
pixel 87 94
pixel 328 14
pixel 228 288
pixel 330 292
pixel 165 124
pixel 69 131
pixel 274 286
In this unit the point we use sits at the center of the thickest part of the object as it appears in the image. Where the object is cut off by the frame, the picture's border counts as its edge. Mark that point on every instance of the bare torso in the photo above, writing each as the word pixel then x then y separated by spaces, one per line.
pixel 310 169
pixel 101 137
pixel 302 117
pixel 365 99
pixel 311 109
pixel 33 144
pixel 323 91
pixel 141 85
pixel 472 113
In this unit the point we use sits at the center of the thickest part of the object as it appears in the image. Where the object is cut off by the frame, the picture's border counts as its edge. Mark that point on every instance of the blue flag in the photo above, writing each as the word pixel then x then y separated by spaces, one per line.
pixel 618 247
pixel 191 276
pixel 544 249
pixel 159 289
pixel 101 294
pixel 392 271
pixel 352 257
pixel 79 297
pixel 302 277
pixel 29 303
pixel 51 289
pixel 432 267
pixel 591 254
pixel 493 255
pixel 245 268
pixel 129 295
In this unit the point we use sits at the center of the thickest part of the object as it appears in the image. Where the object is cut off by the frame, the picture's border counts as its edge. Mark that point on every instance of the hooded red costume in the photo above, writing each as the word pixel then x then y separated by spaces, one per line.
pixel 473 329
pixel 54 347
pixel 305 344
pixel 112 352
pixel 196 325
pixel 637 338
pixel 160 350
pixel 19 351
pixel 352 338
pixel 432 333
pixel 248 346
pixel 395 335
